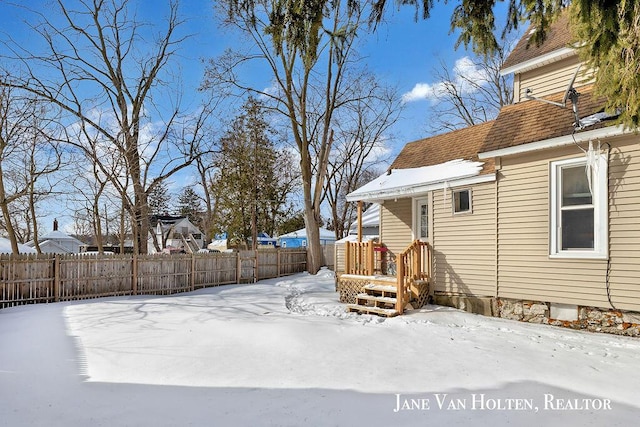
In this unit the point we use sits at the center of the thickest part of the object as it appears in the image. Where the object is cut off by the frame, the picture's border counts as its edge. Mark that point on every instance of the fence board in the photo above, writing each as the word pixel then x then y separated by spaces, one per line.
pixel 30 279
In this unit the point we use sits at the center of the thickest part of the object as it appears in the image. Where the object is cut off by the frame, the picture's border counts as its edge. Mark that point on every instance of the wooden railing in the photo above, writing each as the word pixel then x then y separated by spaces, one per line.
pixel 360 258
pixel 414 263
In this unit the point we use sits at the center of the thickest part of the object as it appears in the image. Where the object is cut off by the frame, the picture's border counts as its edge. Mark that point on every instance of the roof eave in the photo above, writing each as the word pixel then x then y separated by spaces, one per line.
pixel 418 190
pixel 560 141
pixel 540 61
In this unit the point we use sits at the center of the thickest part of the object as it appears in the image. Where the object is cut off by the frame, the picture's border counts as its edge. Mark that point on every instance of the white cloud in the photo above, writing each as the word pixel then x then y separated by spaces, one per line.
pixel 465 71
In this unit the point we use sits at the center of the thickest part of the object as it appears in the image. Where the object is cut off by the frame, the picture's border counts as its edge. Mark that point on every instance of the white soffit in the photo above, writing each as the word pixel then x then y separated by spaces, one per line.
pixel 539 61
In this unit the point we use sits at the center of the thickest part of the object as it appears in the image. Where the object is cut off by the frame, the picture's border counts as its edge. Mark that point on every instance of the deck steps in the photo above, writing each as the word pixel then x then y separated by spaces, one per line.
pixel 387 312
pixel 376 298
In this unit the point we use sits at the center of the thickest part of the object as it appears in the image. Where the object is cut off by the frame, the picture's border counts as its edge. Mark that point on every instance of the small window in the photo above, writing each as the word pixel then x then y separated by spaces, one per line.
pixel 283 244
pixel 304 243
pixel 461 201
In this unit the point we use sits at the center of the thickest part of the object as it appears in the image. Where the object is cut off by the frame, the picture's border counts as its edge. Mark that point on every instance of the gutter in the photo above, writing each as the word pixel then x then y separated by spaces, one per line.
pixel 559 141
pixel 377 196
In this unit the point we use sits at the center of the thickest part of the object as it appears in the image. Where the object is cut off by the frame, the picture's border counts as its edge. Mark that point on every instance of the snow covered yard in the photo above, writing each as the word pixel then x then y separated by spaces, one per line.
pixel 284 352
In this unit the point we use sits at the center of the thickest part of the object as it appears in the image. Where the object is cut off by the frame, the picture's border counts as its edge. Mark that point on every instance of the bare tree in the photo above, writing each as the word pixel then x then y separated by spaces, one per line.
pixel 308 48
pixel 27 159
pixel 361 133
pixel 120 90
pixel 472 93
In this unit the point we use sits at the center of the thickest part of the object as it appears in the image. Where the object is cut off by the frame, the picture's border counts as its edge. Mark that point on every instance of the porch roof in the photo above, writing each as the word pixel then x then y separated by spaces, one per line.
pixel 416 181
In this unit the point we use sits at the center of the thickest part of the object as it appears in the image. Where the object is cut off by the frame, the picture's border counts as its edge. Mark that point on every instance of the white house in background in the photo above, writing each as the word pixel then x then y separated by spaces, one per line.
pixel 57 242
pixel 5 247
pixel 370 222
pixel 298 238
pixel 175 232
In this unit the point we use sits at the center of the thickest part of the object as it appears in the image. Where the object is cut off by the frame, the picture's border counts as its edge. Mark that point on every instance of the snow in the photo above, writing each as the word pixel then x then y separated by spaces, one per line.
pixel 402 182
pixel 5 247
pixel 284 352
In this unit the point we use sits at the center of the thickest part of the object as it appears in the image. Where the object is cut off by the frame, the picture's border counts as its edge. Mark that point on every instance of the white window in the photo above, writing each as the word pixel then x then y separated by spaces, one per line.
pixel 579 209
pixel 304 243
pixel 461 201
pixel 421 218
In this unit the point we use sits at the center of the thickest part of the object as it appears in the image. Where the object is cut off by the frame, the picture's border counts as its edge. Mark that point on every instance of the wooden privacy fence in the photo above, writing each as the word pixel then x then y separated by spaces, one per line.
pixel 29 279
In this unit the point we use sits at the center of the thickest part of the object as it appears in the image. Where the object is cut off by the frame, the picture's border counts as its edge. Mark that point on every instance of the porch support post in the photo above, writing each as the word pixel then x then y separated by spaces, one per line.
pixel 359 221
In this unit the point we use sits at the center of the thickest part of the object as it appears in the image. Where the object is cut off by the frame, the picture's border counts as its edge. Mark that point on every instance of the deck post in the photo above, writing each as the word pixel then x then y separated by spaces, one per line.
pixel 400 287
pixel 347 257
pixel 359 221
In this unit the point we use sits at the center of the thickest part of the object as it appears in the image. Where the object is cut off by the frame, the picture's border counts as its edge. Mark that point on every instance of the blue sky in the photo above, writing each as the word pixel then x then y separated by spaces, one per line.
pixel 402 52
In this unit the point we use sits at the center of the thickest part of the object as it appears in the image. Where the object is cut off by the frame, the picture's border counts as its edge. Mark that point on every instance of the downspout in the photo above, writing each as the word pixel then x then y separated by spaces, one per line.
pixel 608 270
pixel 498 167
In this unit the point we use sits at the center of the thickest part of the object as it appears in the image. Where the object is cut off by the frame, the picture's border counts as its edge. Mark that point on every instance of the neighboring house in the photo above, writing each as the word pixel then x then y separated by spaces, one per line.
pixel 534 216
pixel 57 242
pixel 5 247
pixel 298 238
pixel 221 243
pixel 370 223
pixel 264 241
pixel 175 233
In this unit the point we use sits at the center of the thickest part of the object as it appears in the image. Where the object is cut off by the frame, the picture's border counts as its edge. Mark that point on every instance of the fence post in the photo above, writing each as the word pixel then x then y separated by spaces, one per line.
pixel 192 276
pixel 256 275
pixel 56 278
pixel 238 267
pixel 134 274
pixel 278 261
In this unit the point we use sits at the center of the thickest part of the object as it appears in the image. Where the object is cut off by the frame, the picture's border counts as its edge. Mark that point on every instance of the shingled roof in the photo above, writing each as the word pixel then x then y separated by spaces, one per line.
pixel 458 144
pixel 517 124
pixel 558 37
pixel 534 120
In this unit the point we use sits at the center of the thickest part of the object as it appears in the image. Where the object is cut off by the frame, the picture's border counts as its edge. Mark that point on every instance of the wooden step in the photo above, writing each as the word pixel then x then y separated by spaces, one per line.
pixel 388 312
pixel 374 299
pixel 380 288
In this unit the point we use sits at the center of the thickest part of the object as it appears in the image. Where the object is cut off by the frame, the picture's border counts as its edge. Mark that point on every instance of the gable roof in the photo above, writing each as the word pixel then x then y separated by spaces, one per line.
pixel 534 120
pixel 461 144
pixel 5 247
pixel 302 234
pixel 557 41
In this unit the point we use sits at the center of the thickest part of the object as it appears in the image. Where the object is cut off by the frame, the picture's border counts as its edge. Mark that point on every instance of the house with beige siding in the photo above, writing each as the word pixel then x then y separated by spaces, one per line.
pixel 534 216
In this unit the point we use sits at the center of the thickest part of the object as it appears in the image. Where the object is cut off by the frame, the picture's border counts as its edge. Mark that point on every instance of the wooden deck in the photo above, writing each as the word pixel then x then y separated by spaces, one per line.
pixel 386 295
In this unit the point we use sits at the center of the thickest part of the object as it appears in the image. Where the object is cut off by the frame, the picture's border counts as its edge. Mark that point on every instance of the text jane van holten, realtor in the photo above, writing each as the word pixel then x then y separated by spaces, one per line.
pixel 482 402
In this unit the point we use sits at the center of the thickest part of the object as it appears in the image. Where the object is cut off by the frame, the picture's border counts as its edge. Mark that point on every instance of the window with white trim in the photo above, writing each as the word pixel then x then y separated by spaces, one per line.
pixel 461 201
pixel 421 228
pixel 579 208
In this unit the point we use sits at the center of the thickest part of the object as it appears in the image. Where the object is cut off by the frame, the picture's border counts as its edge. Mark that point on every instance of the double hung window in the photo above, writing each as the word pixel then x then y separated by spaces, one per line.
pixel 579 209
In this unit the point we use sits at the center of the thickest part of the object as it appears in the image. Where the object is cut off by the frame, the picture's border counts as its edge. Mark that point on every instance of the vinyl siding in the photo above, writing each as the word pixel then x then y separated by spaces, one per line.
pixel 550 79
pixel 525 270
pixel 395 225
pixel 464 244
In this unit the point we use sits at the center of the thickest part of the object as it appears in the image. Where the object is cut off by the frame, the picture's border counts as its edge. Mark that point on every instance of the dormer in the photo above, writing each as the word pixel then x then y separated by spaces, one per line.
pixel 540 71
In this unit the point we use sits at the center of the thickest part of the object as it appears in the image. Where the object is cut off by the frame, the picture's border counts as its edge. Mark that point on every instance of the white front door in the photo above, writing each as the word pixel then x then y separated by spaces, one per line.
pixel 422 219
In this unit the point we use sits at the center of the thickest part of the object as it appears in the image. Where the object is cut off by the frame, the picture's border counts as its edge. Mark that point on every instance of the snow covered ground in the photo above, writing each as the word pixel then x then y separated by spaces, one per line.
pixel 283 352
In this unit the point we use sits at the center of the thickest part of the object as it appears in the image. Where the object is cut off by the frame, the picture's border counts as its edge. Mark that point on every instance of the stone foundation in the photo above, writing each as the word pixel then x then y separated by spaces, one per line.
pixel 592 319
